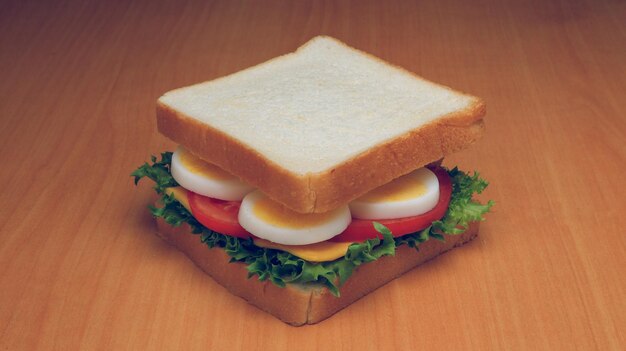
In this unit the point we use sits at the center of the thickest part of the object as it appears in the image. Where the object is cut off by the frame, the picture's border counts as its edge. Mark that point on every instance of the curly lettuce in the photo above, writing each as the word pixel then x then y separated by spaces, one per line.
pixel 283 268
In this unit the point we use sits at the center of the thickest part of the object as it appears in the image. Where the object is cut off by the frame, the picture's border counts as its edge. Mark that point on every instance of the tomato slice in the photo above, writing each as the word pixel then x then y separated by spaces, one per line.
pixel 362 229
pixel 217 215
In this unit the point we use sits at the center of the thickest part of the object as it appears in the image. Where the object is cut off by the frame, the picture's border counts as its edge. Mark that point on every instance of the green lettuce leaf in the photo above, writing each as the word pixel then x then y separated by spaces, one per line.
pixel 158 172
pixel 462 209
pixel 283 268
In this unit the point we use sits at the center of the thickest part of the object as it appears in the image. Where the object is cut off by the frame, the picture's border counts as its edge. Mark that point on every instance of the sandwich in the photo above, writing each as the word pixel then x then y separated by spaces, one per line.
pixel 305 182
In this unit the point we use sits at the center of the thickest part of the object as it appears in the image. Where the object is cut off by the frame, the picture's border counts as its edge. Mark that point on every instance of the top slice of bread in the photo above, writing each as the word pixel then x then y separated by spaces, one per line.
pixel 321 126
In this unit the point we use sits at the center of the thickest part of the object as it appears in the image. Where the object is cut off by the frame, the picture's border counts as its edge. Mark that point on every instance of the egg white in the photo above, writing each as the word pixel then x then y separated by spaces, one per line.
pixel 229 188
pixel 406 206
pixel 335 222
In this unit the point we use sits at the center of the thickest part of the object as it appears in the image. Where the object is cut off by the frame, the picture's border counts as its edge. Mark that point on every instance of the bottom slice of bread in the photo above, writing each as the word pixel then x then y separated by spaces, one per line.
pixel 304 304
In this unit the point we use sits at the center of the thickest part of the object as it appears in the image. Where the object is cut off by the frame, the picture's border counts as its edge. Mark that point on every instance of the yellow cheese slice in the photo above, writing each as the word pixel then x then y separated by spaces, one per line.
pixel 180 194
pixel 318 252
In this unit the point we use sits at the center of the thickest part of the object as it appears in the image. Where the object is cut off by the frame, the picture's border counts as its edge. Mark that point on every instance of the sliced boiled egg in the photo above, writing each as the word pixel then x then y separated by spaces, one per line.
pixel 410 195
pixel 272 221
pixel 206 179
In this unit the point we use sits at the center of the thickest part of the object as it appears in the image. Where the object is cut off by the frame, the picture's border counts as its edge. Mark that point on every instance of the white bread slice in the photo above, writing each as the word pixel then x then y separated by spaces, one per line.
pixel 321 126
pixel 304 304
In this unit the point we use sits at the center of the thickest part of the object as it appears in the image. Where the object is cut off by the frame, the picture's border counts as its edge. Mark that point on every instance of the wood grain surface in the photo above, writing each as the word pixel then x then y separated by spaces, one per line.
pixel 80 267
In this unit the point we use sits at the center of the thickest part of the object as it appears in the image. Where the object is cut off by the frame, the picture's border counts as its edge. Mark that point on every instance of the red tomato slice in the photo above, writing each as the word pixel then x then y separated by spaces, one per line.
pixel 362 229
pixel 217 215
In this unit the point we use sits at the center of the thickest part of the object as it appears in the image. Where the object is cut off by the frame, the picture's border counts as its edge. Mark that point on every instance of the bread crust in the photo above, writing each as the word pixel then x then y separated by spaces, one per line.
pixel 295 304
pixel 327 190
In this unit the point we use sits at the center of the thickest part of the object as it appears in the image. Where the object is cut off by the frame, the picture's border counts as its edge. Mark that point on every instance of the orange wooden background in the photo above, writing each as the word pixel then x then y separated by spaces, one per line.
pixel 81 268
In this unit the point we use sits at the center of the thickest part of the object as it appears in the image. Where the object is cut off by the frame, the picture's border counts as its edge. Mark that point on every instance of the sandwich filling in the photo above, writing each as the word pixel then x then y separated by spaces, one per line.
pixel 284 247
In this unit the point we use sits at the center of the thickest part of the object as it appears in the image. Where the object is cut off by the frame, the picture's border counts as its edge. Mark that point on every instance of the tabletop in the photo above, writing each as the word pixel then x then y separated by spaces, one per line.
pixel 81 268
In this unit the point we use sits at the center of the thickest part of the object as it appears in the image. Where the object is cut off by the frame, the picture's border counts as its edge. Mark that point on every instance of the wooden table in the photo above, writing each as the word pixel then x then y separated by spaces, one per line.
pixel 80 267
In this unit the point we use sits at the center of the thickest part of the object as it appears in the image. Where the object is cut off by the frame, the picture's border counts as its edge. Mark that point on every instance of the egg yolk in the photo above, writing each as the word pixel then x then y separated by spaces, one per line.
pixel 406 187
pixel 200 167
pixel 278 215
